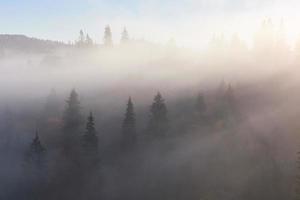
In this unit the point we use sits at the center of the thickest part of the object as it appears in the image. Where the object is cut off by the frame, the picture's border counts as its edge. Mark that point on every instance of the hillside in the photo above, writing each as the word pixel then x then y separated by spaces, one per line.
pixel 23 43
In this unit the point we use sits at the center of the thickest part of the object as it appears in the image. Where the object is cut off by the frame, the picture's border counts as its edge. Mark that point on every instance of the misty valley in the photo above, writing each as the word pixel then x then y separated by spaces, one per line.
pixel 140 120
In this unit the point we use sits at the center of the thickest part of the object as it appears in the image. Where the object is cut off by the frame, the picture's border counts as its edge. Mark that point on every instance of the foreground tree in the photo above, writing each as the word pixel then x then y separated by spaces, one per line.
pixel 129 137
pixel 90 142
pixel 72 121
pixel 158 123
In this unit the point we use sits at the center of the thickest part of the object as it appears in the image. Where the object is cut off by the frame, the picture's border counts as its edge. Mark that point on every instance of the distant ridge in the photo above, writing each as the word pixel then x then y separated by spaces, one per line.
pixel 27 44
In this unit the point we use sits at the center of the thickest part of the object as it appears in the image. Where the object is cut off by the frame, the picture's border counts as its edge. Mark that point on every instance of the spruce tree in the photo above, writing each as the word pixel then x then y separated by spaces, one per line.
pixel 125 37
pixel 107 36
pixel 81 39
pixel 35 169
pixel 158 122
pixel 129 137
pixel 89 42
pixel 36 153
pixel 72 121
pixel 90 139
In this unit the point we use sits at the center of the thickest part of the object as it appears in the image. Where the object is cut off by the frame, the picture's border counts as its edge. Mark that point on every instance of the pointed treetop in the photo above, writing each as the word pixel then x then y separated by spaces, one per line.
pixel 90 125
pixel 158 97
pixel 36 145
pixel 107 36
pixel 125 36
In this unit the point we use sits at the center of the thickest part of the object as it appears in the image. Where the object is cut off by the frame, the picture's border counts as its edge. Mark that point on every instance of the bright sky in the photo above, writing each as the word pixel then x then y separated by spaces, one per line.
pixel 189 22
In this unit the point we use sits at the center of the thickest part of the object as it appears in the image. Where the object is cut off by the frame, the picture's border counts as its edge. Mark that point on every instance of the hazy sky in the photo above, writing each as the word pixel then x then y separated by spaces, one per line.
pixel 190 22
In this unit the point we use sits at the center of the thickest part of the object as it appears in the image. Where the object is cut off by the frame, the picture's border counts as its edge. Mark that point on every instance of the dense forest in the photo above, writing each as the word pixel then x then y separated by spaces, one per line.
pixel 139 120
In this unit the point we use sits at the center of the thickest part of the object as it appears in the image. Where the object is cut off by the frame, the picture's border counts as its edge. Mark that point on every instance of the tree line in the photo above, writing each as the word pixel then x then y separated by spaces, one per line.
pixel 84 40
pixel 79 152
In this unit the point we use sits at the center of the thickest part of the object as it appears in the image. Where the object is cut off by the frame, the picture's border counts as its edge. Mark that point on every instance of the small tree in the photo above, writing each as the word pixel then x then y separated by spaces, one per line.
pixel 35 169
pixel 158 122
pixel 107 36
pixel 125 37
pixel 81 39
pixel 129 137
pixel 89 42
pixel 36 153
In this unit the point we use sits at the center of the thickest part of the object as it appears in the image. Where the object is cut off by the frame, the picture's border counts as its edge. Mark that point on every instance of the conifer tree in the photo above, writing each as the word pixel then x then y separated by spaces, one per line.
pixel 35 169
pixel 36 153
pixel 125 37
pixel 90 139
pixel 107 36
pixel 89 42
pixel 158 123
pixel 81 39
pixel 129 126
pixel 72 121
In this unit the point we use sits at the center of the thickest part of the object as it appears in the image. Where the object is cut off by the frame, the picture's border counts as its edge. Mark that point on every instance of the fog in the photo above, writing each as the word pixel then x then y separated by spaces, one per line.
pixel 227 119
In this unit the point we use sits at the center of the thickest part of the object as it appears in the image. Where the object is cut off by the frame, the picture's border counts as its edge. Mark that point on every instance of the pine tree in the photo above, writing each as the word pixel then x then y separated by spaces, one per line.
pixel 158 123
pixel 89 42
pixel 36 153
pixel 125 37
pixel 107 36
pixel 72 121
pixel 35 169
pixel 81 39
pixel 129 137
pixel 90 139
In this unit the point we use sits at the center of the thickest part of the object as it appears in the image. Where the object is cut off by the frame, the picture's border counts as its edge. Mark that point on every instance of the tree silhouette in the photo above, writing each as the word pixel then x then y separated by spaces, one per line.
pixel 107 36
pixel 125 36
pixel 158 123
pixel 89 42
pixel 90 141
pixel 129 137
pixel 72 121
pixel 35 169
pixel 81 39
pixel 36 153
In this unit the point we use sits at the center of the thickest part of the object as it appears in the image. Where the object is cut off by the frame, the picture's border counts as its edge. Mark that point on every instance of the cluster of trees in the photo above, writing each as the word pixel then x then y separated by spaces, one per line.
pixel 86 40
pixel 79 153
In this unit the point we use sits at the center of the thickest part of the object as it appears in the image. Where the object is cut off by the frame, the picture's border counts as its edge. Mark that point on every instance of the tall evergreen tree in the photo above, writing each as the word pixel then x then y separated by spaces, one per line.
pixel 72 121
pixel 125 36
pixel 158 123
pixel 90 140
pixel 129 137
pixel 107 36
